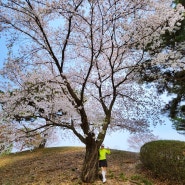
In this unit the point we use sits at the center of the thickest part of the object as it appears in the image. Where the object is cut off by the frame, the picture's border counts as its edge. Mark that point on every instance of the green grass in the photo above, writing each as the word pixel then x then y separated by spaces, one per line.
pixel 141 180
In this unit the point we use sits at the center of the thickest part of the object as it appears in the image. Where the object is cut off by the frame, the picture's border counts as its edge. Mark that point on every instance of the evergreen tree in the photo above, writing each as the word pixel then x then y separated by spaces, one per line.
pixel 167 78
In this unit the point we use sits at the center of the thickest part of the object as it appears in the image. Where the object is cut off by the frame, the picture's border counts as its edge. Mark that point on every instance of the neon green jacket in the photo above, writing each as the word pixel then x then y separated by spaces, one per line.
pixel 103 152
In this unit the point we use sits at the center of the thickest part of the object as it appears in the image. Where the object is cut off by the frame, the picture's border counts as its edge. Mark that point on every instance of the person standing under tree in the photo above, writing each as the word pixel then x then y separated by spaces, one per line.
pixel 103 161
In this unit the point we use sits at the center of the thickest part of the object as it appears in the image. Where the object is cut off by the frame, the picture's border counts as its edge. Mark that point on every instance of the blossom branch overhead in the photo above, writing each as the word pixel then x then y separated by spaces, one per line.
pixel 79 61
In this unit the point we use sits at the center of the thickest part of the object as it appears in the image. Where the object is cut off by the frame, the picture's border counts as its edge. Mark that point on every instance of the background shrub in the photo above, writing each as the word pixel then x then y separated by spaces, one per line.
pixel 165 158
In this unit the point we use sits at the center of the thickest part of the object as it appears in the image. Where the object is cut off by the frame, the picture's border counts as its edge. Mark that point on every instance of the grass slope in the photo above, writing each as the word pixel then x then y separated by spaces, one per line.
pixel 62 166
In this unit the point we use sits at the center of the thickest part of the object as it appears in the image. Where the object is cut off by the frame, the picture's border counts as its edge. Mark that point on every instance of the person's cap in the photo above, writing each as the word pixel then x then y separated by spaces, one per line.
pixel 102 145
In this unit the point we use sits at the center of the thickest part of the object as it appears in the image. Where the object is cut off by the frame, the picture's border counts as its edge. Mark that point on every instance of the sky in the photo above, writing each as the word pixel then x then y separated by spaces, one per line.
pixel 3 51
pixel 116 140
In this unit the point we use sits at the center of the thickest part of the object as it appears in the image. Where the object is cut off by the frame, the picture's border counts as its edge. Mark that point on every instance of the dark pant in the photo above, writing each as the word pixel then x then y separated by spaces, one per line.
pixel 103 163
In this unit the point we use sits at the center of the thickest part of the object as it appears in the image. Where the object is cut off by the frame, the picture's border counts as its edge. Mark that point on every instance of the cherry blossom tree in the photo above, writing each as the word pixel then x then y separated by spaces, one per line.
pixel 137 140
pixel 74 65
pixel 5 144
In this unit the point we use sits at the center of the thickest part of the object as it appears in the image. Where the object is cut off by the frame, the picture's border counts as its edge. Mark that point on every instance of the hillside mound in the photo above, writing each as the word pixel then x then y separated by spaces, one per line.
pixel 62 166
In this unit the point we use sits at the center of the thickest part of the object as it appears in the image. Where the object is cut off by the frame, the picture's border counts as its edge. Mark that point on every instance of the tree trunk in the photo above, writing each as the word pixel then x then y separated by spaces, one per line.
pixel 90 166
pixel 42 144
